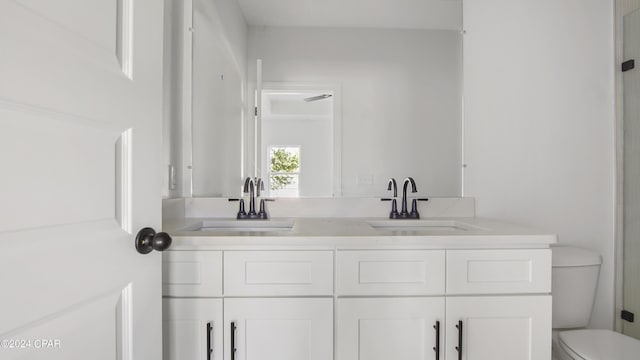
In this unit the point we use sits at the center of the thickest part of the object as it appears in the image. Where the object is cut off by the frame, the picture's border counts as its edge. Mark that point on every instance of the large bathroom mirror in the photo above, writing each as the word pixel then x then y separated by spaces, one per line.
pixel 329 100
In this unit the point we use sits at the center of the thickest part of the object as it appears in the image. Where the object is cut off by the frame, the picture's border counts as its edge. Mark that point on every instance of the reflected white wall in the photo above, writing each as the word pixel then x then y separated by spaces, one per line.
pixel 401 99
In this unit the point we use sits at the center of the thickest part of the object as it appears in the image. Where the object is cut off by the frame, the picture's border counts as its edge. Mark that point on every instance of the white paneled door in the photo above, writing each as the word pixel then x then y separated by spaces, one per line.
pixel 80 134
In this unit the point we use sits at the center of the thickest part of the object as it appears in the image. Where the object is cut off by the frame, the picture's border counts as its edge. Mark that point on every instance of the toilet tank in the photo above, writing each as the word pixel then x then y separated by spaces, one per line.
pixel 574 282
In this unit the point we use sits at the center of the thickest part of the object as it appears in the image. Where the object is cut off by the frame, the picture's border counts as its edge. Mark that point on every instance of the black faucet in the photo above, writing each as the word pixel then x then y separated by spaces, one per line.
pixel 262 213
pixel 404 214
pixel 250 187
pixel 394 204
pixel 253 187
pixel 393 186
pixel 259 186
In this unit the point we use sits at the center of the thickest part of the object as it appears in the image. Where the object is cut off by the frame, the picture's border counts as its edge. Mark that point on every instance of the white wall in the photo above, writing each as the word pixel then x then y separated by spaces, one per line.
pixel 539 121
pixel 225 20
pixel 233 27
pixel 218 102
pixel 172 89
pixel 401 96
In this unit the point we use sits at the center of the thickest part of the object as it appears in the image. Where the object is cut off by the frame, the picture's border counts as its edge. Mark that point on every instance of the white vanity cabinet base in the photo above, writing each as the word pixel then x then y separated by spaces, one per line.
pixel 389 328
pixel 386 304
pixel 279 328
pixel 499 327
pixel 185 329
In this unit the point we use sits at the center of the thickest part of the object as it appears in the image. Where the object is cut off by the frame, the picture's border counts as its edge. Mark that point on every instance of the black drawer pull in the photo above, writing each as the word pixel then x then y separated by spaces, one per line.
pixel 437 347
pixel 233 340
pixel 459 347
pixel 209 348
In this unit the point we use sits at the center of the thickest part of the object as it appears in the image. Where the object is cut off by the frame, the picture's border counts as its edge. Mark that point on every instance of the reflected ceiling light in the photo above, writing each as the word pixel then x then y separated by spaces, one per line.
pixel 319 97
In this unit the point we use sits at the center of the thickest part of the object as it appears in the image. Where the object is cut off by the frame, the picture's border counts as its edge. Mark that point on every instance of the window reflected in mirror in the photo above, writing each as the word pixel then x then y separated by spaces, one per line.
pixel 284 172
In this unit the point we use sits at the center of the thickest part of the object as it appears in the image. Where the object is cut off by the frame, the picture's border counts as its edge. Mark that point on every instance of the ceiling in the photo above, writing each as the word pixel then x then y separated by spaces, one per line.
pixel 389 14
pixel 284 104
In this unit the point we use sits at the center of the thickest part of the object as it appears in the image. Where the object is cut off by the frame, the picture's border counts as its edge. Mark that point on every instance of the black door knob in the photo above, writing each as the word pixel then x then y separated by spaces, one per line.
pixel 148 240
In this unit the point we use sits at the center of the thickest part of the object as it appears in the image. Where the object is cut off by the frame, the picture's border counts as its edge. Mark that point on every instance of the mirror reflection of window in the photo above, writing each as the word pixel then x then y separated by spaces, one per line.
pixel 284 171
pixel 295 119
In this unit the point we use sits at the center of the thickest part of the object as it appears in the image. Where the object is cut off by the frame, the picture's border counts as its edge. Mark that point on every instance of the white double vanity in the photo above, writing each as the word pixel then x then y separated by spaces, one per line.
pixel 353 284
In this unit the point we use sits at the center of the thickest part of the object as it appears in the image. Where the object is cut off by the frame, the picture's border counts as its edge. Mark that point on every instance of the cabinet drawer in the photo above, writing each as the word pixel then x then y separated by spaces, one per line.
pixel 192 273
pixel 498 271
pixel 415 272
pixel 276 273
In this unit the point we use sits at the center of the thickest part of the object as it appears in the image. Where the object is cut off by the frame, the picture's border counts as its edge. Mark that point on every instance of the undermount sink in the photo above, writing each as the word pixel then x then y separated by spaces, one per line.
pixel 415 226
pixel 249 226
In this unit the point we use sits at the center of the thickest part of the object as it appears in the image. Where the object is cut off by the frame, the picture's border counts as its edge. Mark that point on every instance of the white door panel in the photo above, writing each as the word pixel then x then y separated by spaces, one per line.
pixel 80 17
pixel 80 115
pixel 70 185
pixel 50 65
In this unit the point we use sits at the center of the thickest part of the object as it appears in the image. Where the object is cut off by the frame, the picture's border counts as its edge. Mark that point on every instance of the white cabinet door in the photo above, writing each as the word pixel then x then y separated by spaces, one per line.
pixel 80 137
pixel 278 329
pixel 192 329
pixel 390 328
pixel 499 328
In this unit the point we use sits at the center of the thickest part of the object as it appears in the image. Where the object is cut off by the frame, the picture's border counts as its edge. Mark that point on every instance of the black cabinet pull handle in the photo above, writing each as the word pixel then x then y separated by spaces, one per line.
pixel 209 348
pixel 233 340
pixel 437 347
pixel 459 347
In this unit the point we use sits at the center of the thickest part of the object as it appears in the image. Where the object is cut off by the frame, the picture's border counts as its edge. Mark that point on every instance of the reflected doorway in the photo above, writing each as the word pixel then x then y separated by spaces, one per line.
pixel 298 140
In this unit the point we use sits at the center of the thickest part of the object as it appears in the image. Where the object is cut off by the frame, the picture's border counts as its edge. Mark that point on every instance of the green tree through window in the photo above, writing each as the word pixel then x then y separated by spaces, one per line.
pixel 282 162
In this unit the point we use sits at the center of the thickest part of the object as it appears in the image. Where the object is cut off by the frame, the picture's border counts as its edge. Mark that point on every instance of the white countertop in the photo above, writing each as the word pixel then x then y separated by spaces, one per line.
pixel 358 233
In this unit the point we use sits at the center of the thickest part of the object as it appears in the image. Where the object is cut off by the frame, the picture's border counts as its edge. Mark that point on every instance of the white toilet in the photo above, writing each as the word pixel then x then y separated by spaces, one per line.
pixel 574 281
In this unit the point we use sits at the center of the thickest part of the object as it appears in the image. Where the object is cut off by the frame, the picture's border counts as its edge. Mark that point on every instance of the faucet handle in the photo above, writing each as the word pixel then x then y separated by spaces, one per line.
pixel 262 213
pixel 241 212
pixel 414 208
pixel 394 208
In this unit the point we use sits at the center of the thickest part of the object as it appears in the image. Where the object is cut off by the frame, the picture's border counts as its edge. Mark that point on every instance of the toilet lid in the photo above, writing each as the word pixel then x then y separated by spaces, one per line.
pixel 601 345
pixel 567 256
